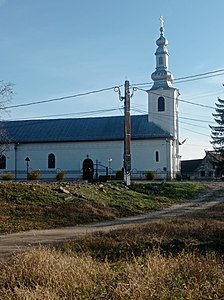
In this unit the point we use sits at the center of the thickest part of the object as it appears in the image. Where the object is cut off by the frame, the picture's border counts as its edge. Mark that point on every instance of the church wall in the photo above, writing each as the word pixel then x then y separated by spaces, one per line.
pixel 144 155
pixel 69 157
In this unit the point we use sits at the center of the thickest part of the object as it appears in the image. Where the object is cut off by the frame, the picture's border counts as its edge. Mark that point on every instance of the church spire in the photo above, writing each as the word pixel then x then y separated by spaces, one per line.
pixel 162 77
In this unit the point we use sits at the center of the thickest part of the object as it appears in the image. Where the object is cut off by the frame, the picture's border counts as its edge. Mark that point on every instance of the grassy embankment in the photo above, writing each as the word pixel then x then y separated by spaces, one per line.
pixel 25 206
pixel 178 258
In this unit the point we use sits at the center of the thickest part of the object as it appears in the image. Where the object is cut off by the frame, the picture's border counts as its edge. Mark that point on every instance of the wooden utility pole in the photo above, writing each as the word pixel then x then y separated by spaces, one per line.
pixel 127 134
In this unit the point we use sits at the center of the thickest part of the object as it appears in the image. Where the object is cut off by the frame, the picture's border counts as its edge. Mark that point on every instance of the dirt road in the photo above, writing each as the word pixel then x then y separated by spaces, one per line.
pixel 16 242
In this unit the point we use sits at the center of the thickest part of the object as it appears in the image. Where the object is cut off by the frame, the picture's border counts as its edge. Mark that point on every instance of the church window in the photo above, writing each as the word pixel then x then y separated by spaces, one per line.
pixel 157 156
pixel 2 162
pixel 161 104
pixel 160 60
pixel 51 161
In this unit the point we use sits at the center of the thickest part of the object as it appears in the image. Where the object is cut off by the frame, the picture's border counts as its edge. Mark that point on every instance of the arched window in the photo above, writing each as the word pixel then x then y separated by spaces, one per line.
pixel 161 104
pixel 2 162
pixel 51 161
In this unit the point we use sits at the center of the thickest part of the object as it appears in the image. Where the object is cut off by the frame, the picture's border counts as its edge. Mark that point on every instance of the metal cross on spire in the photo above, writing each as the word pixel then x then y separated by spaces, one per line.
pixel 161 21
pixel 161 24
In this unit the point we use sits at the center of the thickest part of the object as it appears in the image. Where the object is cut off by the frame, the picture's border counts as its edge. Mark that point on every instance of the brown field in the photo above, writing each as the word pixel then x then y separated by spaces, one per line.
pixel 176 258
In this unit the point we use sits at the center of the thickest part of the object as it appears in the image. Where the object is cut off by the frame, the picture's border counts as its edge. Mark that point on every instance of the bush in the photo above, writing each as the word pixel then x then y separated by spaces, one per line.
pixel 151 175
pixel 119 174
pixel 178 177
pixel 7 176
pixel 34 175
pixel 60 175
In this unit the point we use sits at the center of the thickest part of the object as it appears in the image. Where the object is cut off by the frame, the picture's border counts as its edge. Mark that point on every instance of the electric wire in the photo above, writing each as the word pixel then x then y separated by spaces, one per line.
pixel 180 100
pixel 205 95
pixel 69 114
pixel 181 79
pixel 196 132
pixel 189 78
pixel 136 109
pixel 60 98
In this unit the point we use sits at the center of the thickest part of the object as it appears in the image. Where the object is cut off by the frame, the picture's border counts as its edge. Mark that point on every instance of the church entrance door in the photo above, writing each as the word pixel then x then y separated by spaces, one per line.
pixel 88 169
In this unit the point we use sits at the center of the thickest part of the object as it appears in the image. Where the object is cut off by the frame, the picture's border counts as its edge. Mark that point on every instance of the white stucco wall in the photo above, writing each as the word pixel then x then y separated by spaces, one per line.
pixel 70 156
pixel 168 119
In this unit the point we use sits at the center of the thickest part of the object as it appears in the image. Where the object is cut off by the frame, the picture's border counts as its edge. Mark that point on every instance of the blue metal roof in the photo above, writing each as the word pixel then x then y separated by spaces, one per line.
pixel 81 129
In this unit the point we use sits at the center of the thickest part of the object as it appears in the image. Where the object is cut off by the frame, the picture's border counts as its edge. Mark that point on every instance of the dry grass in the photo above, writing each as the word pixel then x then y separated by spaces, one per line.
pixel 202 231
pixel 140 263
pixel 48 274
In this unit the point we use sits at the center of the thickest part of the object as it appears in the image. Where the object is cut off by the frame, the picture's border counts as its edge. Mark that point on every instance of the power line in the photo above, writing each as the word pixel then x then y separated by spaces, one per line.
pixel 206 94
pixel 200 74
pixel 180 100
pixel 204 77
pixel 70 114
pixel 196 104
pixel 170 117
pixel 196 132
pixel 189 78
pixel 182 122
pixel 198 126
pixel 60 98
pixel 186 78
pixel 137 109
pixel 196 120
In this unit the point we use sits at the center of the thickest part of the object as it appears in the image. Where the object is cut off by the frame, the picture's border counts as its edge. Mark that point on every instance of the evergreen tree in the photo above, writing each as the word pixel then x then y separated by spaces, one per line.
pixel 218 135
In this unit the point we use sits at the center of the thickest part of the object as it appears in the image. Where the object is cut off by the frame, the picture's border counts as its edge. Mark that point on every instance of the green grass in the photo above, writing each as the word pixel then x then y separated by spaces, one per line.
pixel 25 206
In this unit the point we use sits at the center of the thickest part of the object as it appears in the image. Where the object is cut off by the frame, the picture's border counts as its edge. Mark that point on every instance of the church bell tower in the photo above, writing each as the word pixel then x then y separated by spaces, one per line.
pixel 163 98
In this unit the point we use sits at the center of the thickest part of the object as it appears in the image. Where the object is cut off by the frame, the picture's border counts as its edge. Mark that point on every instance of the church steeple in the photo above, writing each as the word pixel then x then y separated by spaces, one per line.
pixel 162 77
pixel 163 103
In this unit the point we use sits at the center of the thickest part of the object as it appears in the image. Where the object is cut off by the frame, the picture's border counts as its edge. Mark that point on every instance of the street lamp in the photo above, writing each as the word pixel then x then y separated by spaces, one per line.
pixel 110 170
pixel 27 166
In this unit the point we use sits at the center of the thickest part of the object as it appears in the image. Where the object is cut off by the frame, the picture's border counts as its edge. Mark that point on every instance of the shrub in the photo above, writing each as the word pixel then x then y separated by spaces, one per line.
pixel 151 175
pixel 34 175
pixel 178 177
pixel 119 174
pixel 60 175
pixel 7 176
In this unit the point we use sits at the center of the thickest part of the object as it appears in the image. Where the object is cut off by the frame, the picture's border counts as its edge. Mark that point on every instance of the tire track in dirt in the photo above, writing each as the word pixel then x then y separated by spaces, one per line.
pixel 16 242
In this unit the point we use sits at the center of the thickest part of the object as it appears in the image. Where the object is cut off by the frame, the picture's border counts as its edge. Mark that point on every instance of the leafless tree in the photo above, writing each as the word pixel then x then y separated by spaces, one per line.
pixel 6 92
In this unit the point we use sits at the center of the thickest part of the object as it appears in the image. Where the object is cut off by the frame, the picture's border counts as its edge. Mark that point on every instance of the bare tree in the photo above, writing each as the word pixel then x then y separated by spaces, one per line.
pixel 6 92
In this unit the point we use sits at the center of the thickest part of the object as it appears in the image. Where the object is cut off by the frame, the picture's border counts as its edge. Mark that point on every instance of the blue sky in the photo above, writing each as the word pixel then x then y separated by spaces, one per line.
pixel 55 48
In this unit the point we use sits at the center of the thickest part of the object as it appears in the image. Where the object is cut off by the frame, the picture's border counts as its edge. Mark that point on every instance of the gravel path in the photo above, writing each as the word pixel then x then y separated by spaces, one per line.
pixel 15 242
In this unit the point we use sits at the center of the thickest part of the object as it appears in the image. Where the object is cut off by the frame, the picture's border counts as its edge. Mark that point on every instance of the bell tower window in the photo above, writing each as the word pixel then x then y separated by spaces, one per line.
pixel 161 104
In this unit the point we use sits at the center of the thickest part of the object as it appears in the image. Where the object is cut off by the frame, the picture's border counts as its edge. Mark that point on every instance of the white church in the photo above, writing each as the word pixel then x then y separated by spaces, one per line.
pixel 87 148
